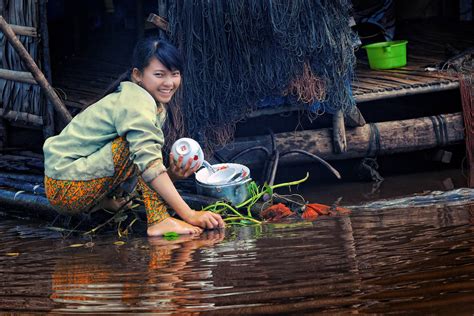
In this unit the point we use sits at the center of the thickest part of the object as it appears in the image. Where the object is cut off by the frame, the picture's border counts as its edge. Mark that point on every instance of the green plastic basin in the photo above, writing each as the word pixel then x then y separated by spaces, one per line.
pixel 387 55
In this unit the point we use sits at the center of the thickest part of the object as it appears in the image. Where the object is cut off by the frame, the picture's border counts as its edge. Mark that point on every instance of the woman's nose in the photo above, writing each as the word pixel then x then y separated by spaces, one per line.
pixel 168 81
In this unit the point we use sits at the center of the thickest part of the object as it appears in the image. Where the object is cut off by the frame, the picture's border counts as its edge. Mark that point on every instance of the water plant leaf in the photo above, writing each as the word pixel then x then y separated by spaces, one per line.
pixel 171 236
pixel 12 254
pixel 119 243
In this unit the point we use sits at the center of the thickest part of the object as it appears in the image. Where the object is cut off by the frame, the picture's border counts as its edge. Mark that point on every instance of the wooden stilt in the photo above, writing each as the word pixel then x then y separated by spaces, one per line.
pixel 162 11
pixel 467 97
pixel 353 118
pixel 339 133
pixel 48 126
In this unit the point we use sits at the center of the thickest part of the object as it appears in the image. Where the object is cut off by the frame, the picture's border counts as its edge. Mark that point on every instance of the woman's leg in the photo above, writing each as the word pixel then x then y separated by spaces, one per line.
pixel 159 220
pixel 73 197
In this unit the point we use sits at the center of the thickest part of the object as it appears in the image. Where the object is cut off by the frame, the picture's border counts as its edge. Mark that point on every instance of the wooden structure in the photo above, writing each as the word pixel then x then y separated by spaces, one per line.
pixel 24 44
pixel 83 78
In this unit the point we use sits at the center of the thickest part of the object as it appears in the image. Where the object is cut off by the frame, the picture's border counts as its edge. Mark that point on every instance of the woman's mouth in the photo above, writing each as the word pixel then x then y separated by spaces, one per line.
pixel 167 91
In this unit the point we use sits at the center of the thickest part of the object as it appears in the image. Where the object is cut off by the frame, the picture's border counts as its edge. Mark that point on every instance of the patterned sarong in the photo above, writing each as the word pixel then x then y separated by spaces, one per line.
pixel 74 197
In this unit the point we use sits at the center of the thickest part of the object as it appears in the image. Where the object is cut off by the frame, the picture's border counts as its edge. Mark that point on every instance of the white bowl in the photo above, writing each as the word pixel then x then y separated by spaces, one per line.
pixel 221 176
pixel 188 148
pixel 203 175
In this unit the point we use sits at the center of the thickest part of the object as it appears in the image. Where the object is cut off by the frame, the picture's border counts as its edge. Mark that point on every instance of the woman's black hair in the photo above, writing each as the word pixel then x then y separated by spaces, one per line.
pixel 165 52
pixel 143 53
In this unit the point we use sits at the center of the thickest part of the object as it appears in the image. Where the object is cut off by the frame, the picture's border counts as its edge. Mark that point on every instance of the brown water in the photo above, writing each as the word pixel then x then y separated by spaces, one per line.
pixel 375 261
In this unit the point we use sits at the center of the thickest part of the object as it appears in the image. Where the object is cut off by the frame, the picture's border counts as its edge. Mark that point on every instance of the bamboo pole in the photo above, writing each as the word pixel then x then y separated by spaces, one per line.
pixel 20 76
pixel 24 30
pixel 22 116
pixel 36 72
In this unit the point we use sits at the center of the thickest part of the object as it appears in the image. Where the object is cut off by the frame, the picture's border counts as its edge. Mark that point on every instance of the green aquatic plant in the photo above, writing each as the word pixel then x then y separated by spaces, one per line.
pixel 232 215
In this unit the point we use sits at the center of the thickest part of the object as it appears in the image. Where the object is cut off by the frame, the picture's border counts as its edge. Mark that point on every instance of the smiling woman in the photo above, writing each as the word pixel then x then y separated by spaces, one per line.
pixel 116 142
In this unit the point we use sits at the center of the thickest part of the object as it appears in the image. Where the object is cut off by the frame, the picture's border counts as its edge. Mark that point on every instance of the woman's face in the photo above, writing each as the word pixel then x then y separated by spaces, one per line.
pixel 158 80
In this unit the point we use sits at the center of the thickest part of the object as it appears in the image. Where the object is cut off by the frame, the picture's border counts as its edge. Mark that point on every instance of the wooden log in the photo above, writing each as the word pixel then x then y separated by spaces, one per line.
pixel 339 133
pixel 29 203
pixel 37 74
pixel 20 76
pixel 31 178
pixel 24 30
pixel 21 185
pixel 382 138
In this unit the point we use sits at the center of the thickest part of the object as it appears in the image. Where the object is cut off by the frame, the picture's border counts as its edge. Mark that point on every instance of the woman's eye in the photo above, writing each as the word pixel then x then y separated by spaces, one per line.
pixel 176 73
pixel 159 74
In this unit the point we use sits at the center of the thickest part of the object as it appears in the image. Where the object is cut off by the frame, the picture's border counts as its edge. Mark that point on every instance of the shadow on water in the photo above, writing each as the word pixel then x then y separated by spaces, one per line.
pixel 400 261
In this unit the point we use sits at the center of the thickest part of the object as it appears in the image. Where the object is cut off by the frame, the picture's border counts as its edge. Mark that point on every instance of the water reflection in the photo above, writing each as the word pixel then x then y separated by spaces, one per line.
pixel 402 261
pixel 155 276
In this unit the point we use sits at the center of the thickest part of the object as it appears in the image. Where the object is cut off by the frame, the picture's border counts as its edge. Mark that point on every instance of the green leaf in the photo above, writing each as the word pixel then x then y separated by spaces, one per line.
pixel 170 236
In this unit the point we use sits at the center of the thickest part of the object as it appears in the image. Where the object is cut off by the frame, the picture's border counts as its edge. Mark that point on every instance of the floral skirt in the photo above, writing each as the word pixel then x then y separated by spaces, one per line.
pixel 73 197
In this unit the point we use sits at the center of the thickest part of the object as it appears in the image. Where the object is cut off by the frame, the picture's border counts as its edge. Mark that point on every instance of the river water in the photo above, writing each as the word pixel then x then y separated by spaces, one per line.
pixel 406 255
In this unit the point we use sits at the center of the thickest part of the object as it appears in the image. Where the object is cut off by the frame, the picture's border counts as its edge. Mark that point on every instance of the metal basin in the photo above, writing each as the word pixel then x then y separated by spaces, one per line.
pixel 234 192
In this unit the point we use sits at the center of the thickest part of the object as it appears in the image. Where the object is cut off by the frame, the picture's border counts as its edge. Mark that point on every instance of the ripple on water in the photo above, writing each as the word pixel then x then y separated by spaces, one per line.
pixel 410 260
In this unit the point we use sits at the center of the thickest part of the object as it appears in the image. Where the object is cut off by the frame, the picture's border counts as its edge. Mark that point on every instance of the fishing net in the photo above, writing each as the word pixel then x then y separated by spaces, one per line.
pixel 17 96
pixel 238 52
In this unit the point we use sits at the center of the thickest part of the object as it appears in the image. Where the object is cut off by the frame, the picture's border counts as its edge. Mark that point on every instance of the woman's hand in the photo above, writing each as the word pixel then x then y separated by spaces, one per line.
pixel 177 171
pixel 205 219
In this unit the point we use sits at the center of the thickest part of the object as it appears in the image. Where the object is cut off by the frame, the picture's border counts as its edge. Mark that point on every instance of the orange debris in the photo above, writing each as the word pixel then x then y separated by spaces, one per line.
pixel 313 210
pixel 276 212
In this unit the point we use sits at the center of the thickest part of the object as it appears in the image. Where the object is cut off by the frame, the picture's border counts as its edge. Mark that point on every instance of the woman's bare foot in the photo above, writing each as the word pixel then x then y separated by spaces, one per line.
pixel 172 225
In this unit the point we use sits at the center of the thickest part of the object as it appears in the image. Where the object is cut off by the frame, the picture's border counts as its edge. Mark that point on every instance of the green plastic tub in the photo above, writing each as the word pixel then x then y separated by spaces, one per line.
pixel 387 55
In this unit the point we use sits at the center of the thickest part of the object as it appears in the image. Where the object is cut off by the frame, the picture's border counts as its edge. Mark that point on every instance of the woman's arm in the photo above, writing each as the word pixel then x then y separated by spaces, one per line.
pixel 163 185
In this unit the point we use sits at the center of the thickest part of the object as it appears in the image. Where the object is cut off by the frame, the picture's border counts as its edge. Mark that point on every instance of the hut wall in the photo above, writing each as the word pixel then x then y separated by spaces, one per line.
pixel 20 102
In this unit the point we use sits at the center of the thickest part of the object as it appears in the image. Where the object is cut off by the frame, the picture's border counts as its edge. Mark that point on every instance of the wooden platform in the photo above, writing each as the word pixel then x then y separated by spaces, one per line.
pixel 429 46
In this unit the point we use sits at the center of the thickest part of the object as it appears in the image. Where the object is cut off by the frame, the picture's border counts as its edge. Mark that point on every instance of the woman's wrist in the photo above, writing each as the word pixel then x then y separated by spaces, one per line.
pixel 186 214
pixel 171 175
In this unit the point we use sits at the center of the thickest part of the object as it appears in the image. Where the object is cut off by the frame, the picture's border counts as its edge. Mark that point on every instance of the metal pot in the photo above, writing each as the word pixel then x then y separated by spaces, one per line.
pixel 234 192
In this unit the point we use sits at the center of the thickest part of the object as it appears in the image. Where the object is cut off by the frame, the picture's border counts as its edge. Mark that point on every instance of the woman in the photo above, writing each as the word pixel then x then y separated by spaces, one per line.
pixel 119 137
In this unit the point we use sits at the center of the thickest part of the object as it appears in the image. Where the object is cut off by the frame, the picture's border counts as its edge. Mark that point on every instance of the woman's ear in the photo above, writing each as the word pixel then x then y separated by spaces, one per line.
pixel 136 75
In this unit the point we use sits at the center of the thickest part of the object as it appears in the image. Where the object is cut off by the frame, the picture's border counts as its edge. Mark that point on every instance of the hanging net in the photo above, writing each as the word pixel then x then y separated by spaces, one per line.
pixel 238 52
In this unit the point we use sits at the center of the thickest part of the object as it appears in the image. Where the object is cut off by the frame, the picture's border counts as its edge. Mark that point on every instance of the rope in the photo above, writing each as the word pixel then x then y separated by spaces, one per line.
pixel 374 141
pixel 440 129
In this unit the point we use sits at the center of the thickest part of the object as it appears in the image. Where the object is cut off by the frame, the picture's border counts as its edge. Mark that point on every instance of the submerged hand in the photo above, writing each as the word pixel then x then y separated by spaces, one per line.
pixel 177 171
pixel 206 219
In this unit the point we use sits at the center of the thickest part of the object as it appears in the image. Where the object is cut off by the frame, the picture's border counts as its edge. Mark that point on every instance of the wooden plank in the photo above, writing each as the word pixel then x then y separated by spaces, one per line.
pixel 158 21
pixel 20 76
pixel 405 92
